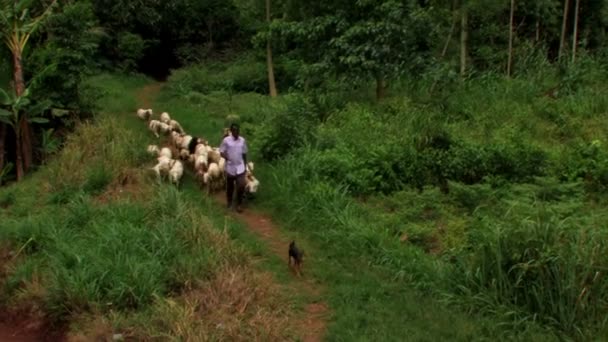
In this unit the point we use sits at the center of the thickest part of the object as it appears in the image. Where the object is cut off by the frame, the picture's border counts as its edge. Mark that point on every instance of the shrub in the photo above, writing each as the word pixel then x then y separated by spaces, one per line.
pixel 247 74
pixel 7 199
pixel 546 268
pixel 131 47
pixel 97 178
pixel 59 66
pixel 286 131
pixel 587 162
pixel 516 161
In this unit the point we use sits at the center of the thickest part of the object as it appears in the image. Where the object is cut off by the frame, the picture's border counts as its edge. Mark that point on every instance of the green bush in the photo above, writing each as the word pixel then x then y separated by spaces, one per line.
pixel 109 257
pixel 517 161
pixel 7 199
pixel 247 74
pixel 546 268
pixel 130 47
pixel 587 162
pixel 59 66
pixel 391 166
pixel 283 132
pixel 97 178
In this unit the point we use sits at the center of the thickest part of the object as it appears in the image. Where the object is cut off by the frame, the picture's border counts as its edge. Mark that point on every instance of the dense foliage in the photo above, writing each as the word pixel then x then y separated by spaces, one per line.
pixel 471 133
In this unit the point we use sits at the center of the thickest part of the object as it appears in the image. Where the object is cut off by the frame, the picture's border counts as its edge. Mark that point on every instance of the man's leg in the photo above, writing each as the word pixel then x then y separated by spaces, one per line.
pixel 240 191
pixel 229 189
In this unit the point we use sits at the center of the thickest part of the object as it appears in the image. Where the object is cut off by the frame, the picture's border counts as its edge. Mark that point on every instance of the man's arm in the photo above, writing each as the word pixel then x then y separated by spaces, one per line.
pixel 223 153
pixel 245 150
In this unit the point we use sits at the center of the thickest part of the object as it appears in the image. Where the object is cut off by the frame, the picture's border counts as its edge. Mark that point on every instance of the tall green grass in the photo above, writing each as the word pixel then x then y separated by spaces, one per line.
pixel 522 254
pixel 514 234
pixel 118 256
pixel 378 286
pixel 97 242
pixel 528 253
pixel 380 283
pixel 89 250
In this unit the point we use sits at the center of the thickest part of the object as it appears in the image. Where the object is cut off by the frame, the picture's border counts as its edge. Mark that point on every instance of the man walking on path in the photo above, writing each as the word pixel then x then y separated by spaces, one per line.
pixel 234 150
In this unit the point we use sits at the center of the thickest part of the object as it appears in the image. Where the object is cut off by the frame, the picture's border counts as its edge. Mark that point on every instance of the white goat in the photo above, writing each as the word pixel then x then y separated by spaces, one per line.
pixel 165 152
pixel 144 114
pixel 153 150
pixel 200 162
pixel 184 154
pixel 176 138
pixel 176 127
pixel 213 177
pixel 164 117
pixel 252 185
pixel 158 128
pixel 162 168
pixel 213 156
pixel 176 172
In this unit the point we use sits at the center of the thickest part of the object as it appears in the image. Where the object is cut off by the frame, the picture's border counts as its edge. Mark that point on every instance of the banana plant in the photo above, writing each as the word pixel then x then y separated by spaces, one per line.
pixel 14 110
pixel 17 24
pixel 16 27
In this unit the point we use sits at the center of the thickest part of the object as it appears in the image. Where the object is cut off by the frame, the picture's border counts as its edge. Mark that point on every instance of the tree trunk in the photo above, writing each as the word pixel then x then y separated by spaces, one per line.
pixel 19 161
pixel 23 134
pixel 562 41
pixel 26 141
pixel 210 42
pixel 510 60
pixel 380 88
pixel 449 38
pixel 18 73
pixel 463 40
pixel 272 87
pixel 2 141
pixel 575 34
pixel 447 41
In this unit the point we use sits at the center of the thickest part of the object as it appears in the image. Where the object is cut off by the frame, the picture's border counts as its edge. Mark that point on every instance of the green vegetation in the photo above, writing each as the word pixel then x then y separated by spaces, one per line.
pixel 487 197
pixel 97 243
pixel 443 163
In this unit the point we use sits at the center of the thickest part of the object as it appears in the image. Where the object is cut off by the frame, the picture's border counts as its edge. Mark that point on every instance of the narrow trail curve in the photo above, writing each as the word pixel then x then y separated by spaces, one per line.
pixel 312 325
pixel 146 95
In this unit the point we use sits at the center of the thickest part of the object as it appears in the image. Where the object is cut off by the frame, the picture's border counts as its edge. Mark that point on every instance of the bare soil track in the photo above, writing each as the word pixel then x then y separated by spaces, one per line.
pixel 312 325
pixel 23 326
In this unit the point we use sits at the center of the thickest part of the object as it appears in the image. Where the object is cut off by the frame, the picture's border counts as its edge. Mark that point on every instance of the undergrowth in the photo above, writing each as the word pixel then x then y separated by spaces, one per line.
pixel 487 195
pixel 96 242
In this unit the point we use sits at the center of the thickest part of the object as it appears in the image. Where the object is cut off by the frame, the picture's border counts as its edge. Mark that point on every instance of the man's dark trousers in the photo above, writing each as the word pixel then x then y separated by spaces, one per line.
pixel 240 188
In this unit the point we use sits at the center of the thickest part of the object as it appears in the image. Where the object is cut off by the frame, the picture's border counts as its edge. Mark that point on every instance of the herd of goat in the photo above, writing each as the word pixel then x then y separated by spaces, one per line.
pixel 182 149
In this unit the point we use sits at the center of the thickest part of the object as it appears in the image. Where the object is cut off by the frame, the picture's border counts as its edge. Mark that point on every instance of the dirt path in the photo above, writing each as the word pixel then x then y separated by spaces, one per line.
pixel 23 327
pixel 146 95
pixel 26 329
pixel 312 325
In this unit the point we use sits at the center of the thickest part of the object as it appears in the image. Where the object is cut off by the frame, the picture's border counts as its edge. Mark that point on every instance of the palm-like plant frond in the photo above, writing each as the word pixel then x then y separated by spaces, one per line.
pixel 16 23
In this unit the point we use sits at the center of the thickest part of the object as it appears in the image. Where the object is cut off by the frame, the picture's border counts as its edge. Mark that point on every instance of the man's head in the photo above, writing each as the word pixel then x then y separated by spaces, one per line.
pixel 234 129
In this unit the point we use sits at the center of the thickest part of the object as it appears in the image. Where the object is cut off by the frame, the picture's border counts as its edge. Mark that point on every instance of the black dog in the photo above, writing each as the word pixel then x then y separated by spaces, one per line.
pixel 297 255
